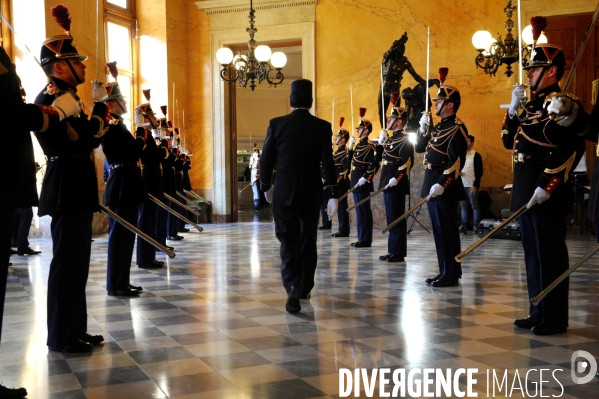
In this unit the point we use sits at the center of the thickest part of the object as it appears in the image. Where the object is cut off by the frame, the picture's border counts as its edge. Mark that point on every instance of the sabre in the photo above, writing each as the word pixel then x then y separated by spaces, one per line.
pixel 333 118
pixel 170 253
pixel 587 36
pixel 181 204
pixel 519 212
pixel 188 201
pixel 351 190
pixel 193 194
pixel 428 58
pixel 174 213
pixel 519 43
pixel 405 215
pixel 351 104
pixel 537 299
pixel 380 190
pixel 383 108
pixel 97 36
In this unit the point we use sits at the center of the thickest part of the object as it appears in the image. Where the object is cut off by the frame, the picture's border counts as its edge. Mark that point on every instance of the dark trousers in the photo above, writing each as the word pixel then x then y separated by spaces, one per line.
pixel 343 216
pixel 546 258
pixel 120 246
pixel 162 221
pixel 172 225
pixel 395 206
pixel 296 227
pixel 6 215
pixel 364 215
pixel 147 222
pixel 71 245
pixel 443 214
pixel 22 218
pixel 323 209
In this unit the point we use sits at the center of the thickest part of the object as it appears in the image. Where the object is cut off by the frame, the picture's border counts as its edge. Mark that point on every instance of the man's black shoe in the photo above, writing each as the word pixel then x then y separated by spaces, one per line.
pixel 361 244
pixel 339 234
pixel 135 287
pixel 548 329
pixel 528 322
pixel 445 282
pixel 153 264
pixel 306 296
pixel 27 251
pixel 184 230
pixel 125 292
pixel 384 257
pixel 10 393
pixel 175 238
pixel 395 258
pixel 433 279
pixel 293 300
pixel 77 346
pixel 13 252
pixel 324 227
pixel 13 243
pixel 92 339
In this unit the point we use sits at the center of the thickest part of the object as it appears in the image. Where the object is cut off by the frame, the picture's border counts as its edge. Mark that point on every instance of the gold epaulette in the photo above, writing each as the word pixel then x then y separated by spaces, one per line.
pixel 407 166
pixel 566 167
pixel 455 169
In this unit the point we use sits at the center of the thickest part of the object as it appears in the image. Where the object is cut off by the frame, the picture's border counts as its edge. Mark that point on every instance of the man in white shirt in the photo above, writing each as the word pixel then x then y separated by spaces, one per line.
pixel 471 175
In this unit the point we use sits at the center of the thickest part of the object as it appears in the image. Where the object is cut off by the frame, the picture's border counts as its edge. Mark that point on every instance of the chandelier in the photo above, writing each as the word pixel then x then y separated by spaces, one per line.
pixel 494 52
pixel 258 64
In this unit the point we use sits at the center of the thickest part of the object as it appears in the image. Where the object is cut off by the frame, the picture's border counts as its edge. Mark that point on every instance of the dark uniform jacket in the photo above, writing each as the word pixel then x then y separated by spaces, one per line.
pixel 151 159
pixel 70 182
pixel 122 152
pixel 445 146
pixel 397 156
pixel 544 154
pixel 186 179
pixel 593 135
pixel 297 144
pixel 168 170
pixel 363 164
pixel 342 167
pixel 17 119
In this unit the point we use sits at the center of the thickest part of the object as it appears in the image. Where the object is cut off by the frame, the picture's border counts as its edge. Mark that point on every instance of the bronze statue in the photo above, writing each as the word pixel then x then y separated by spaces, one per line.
pixel 395 63
pixel 414 98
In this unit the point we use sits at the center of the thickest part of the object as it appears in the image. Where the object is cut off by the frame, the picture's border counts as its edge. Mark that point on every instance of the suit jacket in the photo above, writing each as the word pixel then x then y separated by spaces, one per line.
pixel 17 119
pixel 70 183
pixel 296 144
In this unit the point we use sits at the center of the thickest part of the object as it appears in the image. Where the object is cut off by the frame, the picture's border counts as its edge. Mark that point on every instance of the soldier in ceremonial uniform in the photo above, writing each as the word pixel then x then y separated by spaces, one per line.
pixel 70 195
pixel 363 168
pixel 445 147
pixel 545 152
pixel 169 170
pixel 18 186
pixel 125 190
pixel 326 221
pixel 179 188
pixel 296 144
pixel 152 174
pixel 342 168
pixel 397 155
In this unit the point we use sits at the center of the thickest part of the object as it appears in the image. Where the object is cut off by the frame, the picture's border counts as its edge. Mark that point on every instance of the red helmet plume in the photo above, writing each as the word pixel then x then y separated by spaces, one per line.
pixel 111 66
pixel 443 74
pixel 146 94
pixel 362 112
pixel 341 120
pixel 394 98
pixel 163 109
pixel 538 24
pixel 62 16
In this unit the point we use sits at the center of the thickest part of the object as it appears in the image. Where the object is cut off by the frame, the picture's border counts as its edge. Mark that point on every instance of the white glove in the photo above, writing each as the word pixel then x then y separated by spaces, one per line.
pixel 98 91
pixel 361 182
pixel 332 207
pixel 382 137
pixel 538 197
pixel 436 190
pixel 268 194
pixel 139 119
pixel 423 122
pixel 66 105
pixel 560 106
pixel 392 182
pixel 517 95
pixel 352 141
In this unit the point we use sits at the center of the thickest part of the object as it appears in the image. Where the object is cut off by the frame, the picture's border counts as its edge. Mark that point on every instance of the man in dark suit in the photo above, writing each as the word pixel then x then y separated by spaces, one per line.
pixel 125 190
pixel 296 144
pixel 18 186
pixel 70 195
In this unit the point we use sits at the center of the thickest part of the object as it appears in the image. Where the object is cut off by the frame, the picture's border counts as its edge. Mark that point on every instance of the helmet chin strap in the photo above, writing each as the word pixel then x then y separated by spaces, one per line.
pixel 536 85
pixel 77 78
pixel 121 107
pixel 442 106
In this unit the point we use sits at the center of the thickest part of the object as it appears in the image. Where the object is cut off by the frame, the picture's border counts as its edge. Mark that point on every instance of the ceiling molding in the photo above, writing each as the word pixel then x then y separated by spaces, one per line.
pixel 212 7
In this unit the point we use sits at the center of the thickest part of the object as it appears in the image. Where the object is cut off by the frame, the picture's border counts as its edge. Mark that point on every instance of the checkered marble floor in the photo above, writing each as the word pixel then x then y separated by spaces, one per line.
pixel 213 324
